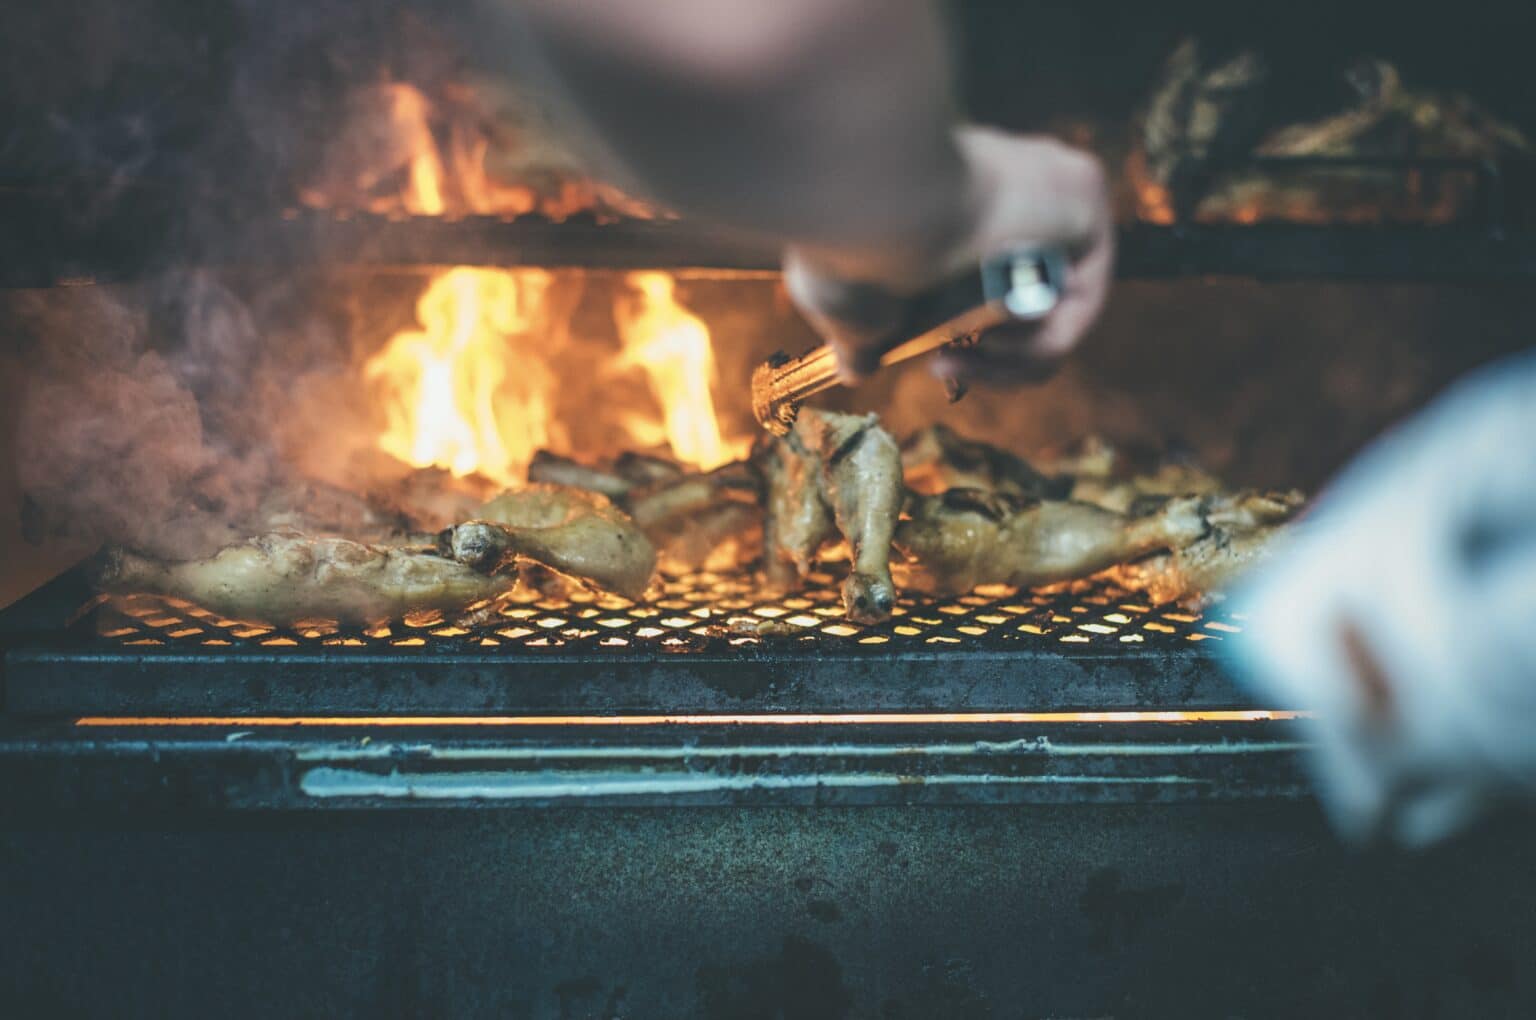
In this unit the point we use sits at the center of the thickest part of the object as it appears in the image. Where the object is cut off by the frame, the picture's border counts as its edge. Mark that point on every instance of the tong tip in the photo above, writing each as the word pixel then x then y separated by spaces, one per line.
pixel 773 411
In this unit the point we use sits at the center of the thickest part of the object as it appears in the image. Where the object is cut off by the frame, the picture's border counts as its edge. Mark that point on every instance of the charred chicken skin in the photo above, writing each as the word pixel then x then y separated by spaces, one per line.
pixel 286 577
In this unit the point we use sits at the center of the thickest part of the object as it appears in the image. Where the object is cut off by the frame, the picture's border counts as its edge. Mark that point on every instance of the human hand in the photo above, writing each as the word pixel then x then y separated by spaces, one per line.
pixel 1401 613
pixel 1019 190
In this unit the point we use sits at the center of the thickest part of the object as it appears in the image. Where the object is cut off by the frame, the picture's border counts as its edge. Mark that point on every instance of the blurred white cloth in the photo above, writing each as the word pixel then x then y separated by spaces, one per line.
pixel 1425 549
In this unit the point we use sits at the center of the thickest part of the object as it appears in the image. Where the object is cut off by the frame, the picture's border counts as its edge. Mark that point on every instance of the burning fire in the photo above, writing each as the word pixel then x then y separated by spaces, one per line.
pixel 401 151
pixel 471 389
pixel 672 345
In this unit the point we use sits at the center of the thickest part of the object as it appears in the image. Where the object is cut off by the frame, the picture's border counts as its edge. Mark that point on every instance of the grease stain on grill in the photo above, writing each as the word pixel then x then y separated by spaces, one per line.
pixel 724 612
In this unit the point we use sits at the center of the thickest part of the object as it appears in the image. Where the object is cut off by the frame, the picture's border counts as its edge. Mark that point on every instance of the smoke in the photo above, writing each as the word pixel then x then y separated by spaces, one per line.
pixel 111 443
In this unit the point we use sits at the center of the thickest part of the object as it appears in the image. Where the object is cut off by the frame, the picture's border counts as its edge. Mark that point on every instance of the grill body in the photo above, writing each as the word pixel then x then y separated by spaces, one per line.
pixel 1194 910
pixel 1000 808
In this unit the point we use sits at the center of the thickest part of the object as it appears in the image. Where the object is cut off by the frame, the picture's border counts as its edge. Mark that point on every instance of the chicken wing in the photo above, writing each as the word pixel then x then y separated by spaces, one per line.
pixel 576 532
pixel 1200 573
pixel 696 518
pixel 285 576
pixel 631 472
pixel 692 494
pixel 797 520
pixel 963 538
pixel 860 480
pixel 552 469
pixel 1244 527
pixel 687 517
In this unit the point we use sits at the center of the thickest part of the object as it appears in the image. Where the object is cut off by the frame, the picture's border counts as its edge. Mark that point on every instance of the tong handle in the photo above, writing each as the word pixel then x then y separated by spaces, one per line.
pixel 1021 285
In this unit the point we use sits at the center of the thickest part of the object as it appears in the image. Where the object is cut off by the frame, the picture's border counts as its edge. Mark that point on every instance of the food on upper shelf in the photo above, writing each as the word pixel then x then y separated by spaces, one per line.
pixel 1208 116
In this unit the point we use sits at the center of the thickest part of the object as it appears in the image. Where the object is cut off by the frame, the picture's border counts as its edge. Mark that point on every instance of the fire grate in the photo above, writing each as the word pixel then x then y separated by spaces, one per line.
pixel 700 611
pixel 703 643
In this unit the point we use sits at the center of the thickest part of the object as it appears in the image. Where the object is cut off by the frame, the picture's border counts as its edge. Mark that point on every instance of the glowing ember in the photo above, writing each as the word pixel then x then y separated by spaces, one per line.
pixel 470 391
pixel 672 345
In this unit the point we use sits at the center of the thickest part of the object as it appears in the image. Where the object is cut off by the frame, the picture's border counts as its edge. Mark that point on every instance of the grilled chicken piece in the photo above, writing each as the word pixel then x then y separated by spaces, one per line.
pixel 284 577
pixel 1244 526
pixel 860 479
pixel 1092 456
pixel 695 516
pixel 652 490
pixel 716 537
pixel 797 520
pixel 1206 107
pixel 576 532
pixel 938 458
pixel 1200 573
pixel 1125 495
pixel 1248 509
pixel 553 469
pixel 690 494
pixel 686 516
pixel 642 470
pixel 834 473
pixel 631 472
pixel 1382 118
pixel 963 538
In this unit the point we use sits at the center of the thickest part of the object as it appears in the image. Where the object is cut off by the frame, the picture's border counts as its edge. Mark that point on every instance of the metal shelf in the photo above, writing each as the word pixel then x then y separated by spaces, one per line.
pixel 47 241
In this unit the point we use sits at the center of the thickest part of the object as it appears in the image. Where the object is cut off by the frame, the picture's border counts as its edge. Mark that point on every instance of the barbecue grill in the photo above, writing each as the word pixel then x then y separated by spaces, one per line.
pixel 699 819
pixel 715 798
pixel 714 801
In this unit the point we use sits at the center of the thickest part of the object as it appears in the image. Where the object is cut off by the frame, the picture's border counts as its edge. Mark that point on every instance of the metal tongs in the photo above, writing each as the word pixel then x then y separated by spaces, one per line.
pixel 1023 285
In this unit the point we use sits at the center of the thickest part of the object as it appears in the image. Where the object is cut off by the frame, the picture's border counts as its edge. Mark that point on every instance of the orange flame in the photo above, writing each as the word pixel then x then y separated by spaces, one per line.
pixel 471 390
pixel 672 345
pixel 400 151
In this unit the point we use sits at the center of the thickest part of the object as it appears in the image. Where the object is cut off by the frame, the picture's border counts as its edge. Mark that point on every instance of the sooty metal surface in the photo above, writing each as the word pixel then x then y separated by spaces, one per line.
pixel 1491 235
pixel 707 642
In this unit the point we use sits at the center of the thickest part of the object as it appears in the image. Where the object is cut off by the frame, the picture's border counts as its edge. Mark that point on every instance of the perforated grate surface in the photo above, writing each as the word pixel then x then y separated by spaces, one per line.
pixel 700 611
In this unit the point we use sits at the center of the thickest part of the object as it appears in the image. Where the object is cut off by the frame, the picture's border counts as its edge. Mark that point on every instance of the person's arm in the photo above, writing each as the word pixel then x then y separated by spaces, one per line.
pixel 828 126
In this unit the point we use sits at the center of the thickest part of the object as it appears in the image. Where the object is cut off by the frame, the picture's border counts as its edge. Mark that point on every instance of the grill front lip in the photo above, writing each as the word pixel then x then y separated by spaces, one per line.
pixel 63 767
pixel 53 679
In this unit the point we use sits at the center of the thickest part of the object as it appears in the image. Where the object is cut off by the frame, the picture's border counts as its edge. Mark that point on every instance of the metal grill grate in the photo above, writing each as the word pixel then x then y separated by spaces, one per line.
pixel 701 611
